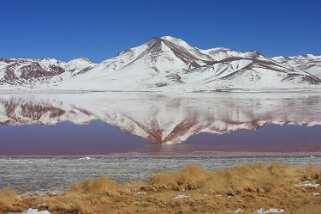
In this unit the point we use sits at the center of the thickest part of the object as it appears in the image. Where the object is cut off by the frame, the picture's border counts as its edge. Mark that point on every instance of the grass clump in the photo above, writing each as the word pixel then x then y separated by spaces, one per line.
pixel 83 196
pixel 9 200
pixel 99 185
pixel 190 178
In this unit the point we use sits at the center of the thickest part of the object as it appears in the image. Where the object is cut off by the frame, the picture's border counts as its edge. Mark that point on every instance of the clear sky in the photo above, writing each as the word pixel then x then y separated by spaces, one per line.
pixel 97 29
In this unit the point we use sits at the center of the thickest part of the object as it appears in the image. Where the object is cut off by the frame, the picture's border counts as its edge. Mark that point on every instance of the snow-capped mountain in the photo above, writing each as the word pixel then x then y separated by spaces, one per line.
pixel 307 62
pixel 164 119
pixel 17 72
pixel 165 64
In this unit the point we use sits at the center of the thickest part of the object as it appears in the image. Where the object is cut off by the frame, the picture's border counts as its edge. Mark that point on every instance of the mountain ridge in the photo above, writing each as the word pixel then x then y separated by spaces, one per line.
pixel 165 64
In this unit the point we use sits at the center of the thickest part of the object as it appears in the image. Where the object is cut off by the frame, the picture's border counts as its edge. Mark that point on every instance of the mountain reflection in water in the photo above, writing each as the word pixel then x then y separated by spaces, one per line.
pixel 89 123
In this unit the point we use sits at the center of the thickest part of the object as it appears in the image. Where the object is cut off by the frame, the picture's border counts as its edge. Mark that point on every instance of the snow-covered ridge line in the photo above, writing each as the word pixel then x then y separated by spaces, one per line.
pixel 165 64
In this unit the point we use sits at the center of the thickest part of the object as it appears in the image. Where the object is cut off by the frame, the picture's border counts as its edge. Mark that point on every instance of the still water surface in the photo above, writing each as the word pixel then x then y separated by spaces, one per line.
pixel 151 123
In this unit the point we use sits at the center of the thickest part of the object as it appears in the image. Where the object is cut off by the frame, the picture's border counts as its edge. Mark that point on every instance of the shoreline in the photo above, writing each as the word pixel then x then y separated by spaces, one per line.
pixel 213 91
pixel 195 154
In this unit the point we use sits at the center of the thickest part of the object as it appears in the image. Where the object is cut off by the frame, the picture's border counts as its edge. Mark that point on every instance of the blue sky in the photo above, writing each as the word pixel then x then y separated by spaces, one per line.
pixel 97 29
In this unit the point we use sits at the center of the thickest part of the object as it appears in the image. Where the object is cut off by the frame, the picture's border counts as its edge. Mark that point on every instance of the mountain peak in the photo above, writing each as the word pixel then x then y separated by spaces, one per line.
pixel 175 40
pixel 81 59
pixel 169 38
pixel 165 38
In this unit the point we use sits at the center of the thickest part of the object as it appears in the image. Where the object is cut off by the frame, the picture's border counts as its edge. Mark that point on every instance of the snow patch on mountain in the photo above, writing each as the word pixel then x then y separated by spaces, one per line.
pixel 308 63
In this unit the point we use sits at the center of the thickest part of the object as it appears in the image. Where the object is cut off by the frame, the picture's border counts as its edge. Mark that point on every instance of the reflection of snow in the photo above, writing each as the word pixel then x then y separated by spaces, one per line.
pixel 164 118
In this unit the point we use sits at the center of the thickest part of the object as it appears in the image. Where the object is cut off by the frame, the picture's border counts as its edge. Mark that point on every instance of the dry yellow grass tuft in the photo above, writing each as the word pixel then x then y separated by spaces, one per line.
pixel 190 178
pixel 249 177
pixel 90 185
pixel 247 187
pixel 9 200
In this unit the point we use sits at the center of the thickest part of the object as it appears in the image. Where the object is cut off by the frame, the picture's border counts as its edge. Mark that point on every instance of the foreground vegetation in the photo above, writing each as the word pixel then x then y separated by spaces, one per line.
pixel 243 189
